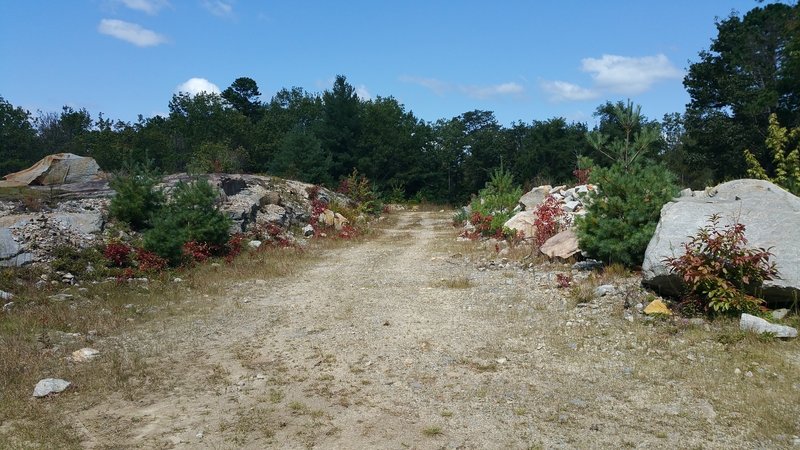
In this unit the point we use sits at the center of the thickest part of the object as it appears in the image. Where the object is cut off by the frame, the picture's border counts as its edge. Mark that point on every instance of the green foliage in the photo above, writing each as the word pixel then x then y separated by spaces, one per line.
pixel 191 215
pixel 359 189
pixel 216 157
pixel 86 263
pixel 136 199
pixel 496 202
pixel 622 217
pixel 637 137
pixel 721 271
pixel 787 166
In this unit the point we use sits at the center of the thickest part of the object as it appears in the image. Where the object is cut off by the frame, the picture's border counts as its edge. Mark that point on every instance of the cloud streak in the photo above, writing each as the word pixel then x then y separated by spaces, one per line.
pixel 614 74
pixel 150 7
pixel 131 33
pixel 480 92
pixel 219 8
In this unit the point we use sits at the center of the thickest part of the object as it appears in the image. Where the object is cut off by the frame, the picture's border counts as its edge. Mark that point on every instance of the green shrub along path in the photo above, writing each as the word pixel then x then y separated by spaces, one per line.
pixel 410 339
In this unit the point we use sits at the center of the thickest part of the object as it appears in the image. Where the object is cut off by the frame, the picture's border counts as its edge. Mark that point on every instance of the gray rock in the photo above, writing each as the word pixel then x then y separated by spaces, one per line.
pixel 563 245
pixel 571 205
pixel 8 246
pixel 6 295
pixel 531 199
pixel 18 260
pixel 771 217
pixel 589 264
pixel 254 244
pixel 759 325
pixel 605 289
pixel 308 231
pixel 7 307
pixel 779 314
pixel 49 386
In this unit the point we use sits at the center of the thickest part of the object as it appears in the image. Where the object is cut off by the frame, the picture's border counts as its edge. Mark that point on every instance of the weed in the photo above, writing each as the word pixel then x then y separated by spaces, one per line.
pixel 432 431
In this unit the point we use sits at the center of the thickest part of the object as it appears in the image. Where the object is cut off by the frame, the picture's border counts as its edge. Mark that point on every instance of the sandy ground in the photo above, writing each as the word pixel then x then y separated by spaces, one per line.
pixel 385 344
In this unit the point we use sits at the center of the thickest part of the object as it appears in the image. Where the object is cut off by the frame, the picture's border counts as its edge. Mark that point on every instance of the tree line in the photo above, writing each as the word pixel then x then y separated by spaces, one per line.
pixel 750 72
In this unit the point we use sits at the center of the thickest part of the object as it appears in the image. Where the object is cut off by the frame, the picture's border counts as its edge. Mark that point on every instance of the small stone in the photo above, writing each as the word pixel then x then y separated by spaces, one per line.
pixel 199 435
pixel 778 314
pixel 6 295
pixel 254 244
pixel 177 280
pixel 748 374
pixel 606 289
pixel 49 386
pixel 657 307
pixel 260 376
pixel 84 354
pixel 308 231
pixel 737 371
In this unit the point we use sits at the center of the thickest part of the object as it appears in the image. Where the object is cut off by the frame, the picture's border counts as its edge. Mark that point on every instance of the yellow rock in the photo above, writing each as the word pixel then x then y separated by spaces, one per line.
pixel 657 307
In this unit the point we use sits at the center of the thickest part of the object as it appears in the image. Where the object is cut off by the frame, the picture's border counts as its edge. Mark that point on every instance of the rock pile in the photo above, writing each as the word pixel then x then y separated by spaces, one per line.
pixel 570 200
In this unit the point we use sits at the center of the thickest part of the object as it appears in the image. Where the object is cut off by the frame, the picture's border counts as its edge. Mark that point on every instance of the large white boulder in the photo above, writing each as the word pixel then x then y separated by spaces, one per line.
pixel 771 217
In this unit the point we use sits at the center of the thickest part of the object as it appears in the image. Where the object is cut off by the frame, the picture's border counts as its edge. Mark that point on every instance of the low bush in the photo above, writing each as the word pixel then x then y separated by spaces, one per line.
pixel 190 216
pixel 495 204
pixel 136 199
pixel 547 218
pixel 720 271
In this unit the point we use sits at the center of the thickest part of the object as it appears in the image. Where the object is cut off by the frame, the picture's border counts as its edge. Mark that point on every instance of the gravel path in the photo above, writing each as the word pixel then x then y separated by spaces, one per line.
pixel 398 342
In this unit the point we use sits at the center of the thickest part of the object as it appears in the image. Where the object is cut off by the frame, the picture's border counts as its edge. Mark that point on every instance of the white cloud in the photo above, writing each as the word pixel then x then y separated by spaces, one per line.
pixel 194 86
pixel 130 32
pixel 362 92
pixel 219 8
pixel 437 86
pixel 146 6
pixel 627 75
pixel 561 90
pixel 483 92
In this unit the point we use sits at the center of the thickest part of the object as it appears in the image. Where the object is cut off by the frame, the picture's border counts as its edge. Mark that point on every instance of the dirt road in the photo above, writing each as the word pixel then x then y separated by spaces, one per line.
pixel 403 342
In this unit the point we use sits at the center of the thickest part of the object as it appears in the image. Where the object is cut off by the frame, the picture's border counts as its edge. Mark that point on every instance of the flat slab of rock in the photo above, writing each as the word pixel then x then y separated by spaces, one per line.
pixel 771 217
pixel 49 386
pixel 563 245
pixel 758 325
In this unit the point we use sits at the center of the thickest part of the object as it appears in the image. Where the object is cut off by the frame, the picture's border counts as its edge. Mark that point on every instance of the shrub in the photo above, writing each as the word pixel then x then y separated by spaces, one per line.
pixel 622 217
pixel 190 216
pixel 359 189
pixel 136 199
pixel 495 203
pixel 82 262
pixel 546 221
pixel 118 254
pixel 149 261
pixel 720 271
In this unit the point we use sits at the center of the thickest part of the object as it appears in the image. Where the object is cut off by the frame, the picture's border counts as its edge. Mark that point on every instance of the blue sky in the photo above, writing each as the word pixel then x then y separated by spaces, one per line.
pixel 524 60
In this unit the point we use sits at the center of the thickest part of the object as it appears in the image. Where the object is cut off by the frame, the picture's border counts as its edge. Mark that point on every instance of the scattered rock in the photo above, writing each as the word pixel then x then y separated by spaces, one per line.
pixel 769 213
pixel 7 307
pixel 657 307
pixel 84 354
pixel 758 325
pixel 254 244
pixel 49 386
pixel 563 245
pixel 605 289
pixel 779 314
pixel 308 230
pixel 589 264
pixel 6 295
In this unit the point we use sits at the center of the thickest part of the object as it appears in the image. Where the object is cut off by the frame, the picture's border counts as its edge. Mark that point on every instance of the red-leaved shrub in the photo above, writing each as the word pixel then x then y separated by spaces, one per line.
pixel 546 221
pixel 118 254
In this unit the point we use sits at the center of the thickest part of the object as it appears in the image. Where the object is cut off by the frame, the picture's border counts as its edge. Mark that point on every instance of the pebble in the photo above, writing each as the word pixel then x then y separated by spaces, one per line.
pixel 49 386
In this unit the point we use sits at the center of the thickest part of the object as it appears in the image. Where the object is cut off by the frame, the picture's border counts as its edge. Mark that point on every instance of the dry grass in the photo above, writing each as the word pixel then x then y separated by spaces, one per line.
pixel 455 283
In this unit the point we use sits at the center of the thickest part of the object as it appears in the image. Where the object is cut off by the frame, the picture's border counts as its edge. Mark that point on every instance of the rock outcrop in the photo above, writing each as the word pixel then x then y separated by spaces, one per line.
pixel 771 217
pixel 57 169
